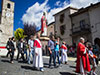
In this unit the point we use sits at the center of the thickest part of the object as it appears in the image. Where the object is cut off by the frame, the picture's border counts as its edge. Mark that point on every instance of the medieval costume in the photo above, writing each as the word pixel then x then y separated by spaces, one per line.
pixel 38 60
pixel 64 57
pixel 83 63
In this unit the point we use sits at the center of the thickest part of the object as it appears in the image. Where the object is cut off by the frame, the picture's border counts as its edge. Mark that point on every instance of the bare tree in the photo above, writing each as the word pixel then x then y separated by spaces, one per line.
pixel 29 29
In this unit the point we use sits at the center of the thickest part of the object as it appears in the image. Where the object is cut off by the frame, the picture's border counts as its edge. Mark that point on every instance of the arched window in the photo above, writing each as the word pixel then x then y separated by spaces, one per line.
pixel 62 16
pixel 8 5
pixel 62 29
pixel 0 30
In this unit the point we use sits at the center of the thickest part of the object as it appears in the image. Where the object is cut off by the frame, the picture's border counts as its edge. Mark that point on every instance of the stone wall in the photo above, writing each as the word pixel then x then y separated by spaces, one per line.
pixel 95 22
pixel 7 21
pixel 66 23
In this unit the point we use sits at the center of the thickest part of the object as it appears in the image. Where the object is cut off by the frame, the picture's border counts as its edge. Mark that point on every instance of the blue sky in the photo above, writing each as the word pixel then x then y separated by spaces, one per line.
pixel 25 9
pixel 20 8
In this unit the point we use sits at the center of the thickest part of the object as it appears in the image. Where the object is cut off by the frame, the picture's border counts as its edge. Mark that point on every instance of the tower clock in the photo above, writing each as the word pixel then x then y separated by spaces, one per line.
pixel 7 18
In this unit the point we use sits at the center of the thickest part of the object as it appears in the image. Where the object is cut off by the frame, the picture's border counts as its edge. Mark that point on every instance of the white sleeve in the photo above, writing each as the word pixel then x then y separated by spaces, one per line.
pixel 28 42
pixel 62 50
pixel 36 50
pixel 91 53
pixel 85 50
pixel 66 50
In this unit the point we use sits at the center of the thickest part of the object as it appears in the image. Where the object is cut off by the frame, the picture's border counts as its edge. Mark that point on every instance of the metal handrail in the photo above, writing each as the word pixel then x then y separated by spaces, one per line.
pixel 79 28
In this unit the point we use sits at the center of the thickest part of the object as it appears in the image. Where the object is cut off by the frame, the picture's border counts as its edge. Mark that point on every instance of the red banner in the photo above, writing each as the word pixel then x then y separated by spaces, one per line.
pixel 2 47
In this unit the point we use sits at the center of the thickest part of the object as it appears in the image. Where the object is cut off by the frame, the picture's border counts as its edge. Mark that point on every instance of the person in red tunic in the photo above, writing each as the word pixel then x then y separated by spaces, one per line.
pixel 83 63
pixel 38 60
pixel 44 25
pixel 64 57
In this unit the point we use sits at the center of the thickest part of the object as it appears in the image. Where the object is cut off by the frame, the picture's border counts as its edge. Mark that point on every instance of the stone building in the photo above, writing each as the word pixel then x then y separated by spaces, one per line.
pixel 6 20
pixel 81 25
pixel 86 23
pixel 62 26
pixel 72 23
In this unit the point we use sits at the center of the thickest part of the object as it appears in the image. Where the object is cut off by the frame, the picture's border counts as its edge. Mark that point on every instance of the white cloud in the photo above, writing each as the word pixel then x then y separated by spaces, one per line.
pixel 34 13
pixel 81 3
pixel 58 3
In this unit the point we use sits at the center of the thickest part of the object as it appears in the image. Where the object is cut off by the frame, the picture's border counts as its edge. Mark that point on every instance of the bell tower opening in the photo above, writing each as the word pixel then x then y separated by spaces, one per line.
pixel 97 41
pixel 8 5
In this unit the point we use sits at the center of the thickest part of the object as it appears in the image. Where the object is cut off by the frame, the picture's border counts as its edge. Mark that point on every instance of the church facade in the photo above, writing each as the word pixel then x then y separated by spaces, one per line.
pixel 6 20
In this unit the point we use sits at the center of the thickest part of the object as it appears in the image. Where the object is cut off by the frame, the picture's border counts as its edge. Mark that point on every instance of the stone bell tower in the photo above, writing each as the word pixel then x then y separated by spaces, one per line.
pixel 7 20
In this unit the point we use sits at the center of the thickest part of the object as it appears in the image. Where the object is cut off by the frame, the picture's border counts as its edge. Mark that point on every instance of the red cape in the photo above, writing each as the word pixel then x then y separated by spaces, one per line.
pixel 85 58
pixel 37 44
pixel 43 23
pixel 63 47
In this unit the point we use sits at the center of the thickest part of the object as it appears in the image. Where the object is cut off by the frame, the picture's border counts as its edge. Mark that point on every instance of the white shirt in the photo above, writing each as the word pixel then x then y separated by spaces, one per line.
pixel 30 42
pixel 90 52
pixel 21 45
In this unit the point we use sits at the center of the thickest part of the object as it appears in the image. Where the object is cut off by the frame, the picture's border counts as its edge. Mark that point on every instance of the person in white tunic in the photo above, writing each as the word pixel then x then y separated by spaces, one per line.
pixel 38 60
pixel 64 57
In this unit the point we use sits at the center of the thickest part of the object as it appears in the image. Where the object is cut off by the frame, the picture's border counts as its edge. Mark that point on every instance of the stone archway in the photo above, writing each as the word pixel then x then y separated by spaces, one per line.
pixel 97 41
pixel 0 32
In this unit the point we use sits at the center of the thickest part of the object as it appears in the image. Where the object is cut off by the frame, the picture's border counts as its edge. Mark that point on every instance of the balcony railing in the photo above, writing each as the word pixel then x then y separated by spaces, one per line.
pixel 81 29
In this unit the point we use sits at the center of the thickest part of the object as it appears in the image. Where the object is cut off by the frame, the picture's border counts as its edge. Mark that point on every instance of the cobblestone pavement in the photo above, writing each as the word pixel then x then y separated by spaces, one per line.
pixel 19 68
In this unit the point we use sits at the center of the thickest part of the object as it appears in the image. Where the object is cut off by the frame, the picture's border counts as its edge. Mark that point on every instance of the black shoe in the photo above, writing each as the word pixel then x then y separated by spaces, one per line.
pixel 34 68
pixel 50 67
pixel 60 65
pixel 55 66
pixel 18 60
pixel 66 63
